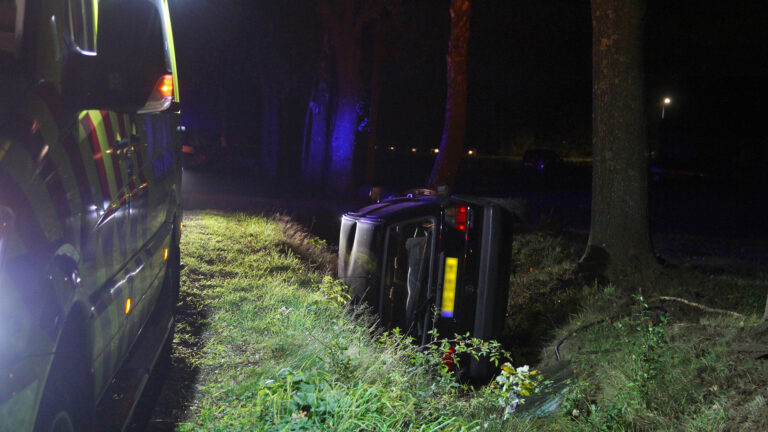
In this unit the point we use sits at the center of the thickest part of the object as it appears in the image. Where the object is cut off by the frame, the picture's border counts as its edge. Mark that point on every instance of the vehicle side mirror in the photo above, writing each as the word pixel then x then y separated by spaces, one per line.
pixel 129 57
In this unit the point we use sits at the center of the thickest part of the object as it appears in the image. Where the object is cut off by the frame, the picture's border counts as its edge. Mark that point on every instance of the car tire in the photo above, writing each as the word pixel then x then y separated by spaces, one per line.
pixel 61 422
pixel 58 412
pixel 66 399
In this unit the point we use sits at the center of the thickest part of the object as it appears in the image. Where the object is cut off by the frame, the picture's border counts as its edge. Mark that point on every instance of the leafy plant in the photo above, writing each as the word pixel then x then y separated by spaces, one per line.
pixel 334 290
pixel 513 385
pixel 646 351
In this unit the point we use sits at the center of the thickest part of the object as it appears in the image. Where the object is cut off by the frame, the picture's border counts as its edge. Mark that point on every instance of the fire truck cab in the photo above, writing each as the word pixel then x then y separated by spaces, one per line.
pixel 90 208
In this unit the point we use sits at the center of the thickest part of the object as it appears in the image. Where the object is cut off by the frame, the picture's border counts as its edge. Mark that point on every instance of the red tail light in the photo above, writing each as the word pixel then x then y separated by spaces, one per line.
pixel 461 218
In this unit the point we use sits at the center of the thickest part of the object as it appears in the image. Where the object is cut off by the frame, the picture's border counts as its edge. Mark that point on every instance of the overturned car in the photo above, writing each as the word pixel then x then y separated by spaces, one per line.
pixel 424 262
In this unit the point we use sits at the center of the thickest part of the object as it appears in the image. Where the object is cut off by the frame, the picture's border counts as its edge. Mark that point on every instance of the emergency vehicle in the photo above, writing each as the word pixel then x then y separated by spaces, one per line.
pixel 424 262
pixel 89 208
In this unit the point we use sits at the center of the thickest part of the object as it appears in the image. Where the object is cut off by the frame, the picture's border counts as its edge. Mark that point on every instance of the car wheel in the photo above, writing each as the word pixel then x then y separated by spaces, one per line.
pixel 65 404
pixel 57 412
pixel 62 422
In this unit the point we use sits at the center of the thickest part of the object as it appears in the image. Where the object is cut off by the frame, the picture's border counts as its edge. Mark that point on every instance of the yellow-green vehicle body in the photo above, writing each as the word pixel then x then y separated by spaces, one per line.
pixel 90 205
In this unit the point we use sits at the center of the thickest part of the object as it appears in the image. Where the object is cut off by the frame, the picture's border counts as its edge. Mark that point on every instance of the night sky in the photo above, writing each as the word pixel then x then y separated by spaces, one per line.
pixel 529 73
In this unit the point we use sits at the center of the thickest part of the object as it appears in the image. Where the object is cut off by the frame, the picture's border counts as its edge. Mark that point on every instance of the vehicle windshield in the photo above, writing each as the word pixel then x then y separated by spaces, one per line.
pixel 8 20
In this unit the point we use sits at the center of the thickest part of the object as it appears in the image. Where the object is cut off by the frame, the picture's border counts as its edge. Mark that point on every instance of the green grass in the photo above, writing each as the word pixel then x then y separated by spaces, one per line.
pixel 651 364
pixel 280 351
pixel 273 347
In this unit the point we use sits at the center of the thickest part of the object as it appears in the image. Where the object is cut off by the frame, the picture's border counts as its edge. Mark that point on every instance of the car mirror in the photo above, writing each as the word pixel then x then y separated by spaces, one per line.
pixel 120 70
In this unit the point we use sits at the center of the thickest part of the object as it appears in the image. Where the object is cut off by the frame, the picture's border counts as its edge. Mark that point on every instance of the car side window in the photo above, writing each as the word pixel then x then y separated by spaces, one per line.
pixel 82 24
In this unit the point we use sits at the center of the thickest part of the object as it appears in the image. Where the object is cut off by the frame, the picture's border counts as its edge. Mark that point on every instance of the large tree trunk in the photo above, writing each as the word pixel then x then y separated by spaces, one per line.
pixel 344 25
pixel 619 239
pixel 346 120
pixel 452 142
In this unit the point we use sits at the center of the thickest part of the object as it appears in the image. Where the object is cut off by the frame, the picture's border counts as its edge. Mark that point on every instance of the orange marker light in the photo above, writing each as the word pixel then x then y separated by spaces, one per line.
pixel 127 305
pixel 166 85
pixel 165 254
pixel 161 97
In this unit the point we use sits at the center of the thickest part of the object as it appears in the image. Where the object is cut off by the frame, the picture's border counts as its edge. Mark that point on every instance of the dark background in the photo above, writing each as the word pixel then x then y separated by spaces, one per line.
pixel 529 87
pixel 530 71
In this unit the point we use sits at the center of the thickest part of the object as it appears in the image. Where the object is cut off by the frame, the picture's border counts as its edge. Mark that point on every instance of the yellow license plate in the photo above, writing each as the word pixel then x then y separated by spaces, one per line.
pixel 449 287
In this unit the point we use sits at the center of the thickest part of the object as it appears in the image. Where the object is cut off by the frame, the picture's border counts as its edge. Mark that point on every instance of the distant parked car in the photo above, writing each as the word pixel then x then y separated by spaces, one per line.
pixel 670 171
pixel 196 152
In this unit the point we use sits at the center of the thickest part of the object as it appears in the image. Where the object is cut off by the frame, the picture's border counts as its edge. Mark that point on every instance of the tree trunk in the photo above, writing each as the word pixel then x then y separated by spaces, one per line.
pixel 619 240
pixel 343 140
pixel 345 20
pixel 315 156
pixel 349 88
pixel 452 142
pixel 317 124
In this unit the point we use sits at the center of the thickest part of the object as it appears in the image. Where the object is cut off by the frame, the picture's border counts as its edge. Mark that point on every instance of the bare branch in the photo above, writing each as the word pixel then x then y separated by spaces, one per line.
pixel 702 307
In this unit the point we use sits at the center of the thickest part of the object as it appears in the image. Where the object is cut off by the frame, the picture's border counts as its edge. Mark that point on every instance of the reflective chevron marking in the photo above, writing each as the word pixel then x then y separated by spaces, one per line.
pixel 98 159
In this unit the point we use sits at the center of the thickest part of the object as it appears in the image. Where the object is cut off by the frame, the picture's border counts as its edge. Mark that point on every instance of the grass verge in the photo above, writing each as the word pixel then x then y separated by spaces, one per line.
pixel 654 363
pixel 280 351
pixel 272 346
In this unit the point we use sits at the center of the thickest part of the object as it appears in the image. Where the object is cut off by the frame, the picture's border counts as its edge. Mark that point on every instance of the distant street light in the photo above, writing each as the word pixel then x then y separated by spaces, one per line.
pixel 664 104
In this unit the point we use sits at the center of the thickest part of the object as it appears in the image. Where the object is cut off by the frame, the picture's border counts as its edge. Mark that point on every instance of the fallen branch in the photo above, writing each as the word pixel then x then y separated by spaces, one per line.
pixel 702 307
